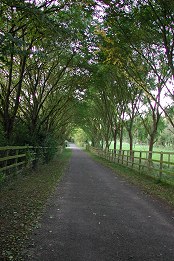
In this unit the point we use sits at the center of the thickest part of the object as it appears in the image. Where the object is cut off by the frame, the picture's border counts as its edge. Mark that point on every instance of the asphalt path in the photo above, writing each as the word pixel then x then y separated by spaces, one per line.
pixel 95 215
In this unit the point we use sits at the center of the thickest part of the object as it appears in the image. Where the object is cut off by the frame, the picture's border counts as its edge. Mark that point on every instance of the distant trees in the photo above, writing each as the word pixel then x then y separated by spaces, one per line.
pixel 133 71
pixel 135 68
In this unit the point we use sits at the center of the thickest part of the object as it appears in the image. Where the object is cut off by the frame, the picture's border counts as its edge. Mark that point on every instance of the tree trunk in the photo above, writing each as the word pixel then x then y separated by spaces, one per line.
pixel 151 143
pixel 107 145
pixel 102 145
pixel 130 140
pixel 115 141
pixel 8 129
pixel 131 143
pixel 121 137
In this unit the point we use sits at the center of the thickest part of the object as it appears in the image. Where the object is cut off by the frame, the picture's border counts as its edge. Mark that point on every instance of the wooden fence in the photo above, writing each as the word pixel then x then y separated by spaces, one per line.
pixel 15 157
pixel 160 165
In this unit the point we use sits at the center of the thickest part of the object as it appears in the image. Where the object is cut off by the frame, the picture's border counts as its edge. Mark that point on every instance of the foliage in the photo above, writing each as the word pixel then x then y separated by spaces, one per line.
pixel 41 49
pixel 101 66
pixel 79 136
pixel 132 72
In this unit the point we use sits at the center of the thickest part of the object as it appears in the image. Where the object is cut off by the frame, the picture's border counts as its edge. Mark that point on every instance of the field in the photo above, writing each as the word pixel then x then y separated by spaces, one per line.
pixel 156 156
pixel 142 147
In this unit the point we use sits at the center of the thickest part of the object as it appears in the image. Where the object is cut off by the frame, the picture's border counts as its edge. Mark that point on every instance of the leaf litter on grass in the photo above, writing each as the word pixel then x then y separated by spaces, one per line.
pixel 21 204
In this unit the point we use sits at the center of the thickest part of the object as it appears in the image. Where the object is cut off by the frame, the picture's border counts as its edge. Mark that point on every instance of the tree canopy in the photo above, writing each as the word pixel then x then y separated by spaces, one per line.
pixel 103 66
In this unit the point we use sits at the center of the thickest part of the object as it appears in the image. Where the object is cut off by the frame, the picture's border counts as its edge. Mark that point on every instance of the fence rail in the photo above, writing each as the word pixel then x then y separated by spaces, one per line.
pixel 14 157
pixel 159 164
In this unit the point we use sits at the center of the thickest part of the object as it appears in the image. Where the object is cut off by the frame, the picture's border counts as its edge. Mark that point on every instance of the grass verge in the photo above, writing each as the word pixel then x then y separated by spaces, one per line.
pixel 150 185
pixel 22 202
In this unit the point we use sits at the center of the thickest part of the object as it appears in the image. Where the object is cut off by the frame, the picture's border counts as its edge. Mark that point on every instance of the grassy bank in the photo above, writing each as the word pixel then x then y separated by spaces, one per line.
pixel 22 202
pixel 150 185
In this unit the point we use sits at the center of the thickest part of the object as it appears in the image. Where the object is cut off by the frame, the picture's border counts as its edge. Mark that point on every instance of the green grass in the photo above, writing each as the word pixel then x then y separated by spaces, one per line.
pixel 22 202
pixel 155 156
pixel 150 185
pixel 142 147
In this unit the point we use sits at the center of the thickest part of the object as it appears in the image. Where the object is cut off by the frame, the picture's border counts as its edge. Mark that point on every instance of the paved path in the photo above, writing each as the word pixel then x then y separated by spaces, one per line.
pixel 96 216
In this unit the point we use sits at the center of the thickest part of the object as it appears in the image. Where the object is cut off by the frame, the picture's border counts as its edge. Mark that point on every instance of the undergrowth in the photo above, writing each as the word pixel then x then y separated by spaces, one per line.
pixel 22 201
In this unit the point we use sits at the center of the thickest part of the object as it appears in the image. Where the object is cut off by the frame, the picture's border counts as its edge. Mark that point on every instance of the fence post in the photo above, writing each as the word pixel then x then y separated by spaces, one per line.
pixel 169 160
pixel 119 156
pixel 127 157
pixel 161 165
pixel 107 154
pixel 27 157
pixel 6 162
pixel 132 156
pixel 16 159
pixel 35 160
pixel 150 155
pixel 115 155
pixel 123 157
pixel 140 161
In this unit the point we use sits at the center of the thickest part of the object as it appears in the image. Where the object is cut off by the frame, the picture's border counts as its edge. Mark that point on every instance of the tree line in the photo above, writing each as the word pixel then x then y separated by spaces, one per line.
pixel 132 91
pixel 39 57
pixel 106 66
